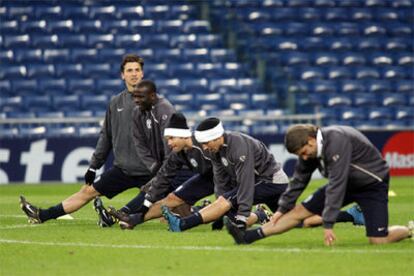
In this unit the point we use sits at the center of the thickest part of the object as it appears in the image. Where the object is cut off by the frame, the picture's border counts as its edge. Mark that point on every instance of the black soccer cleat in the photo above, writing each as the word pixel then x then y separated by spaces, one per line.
pixel 234 231
pixel 105 219
pixel 125 221
pixel 30 210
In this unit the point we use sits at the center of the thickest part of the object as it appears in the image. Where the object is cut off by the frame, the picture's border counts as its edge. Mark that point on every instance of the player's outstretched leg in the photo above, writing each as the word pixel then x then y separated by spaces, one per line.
pixel 105 219
pixel 356 213
pixel 173 220
pixel 30 210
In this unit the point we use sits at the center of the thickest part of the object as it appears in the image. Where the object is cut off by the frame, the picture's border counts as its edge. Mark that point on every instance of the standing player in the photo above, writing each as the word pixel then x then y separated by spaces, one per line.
pixel 245 173
pixel 117 135
pixel 356 172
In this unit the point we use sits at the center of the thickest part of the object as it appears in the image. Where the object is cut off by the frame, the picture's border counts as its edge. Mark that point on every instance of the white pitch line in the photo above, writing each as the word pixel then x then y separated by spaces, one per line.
pixel 24 216
pixel 209 248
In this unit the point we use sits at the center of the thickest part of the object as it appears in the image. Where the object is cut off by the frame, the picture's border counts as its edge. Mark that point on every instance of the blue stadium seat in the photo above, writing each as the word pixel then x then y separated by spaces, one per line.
pixel 158 40
pixel 210 99
pixel 366 73
pixel 66 102
pixel 61 131
pixel 404 113
pixel 28 55
pixel 24 86
pixel 339 100
pixel 196 55
pixel 311 73
pixel 37 103
pixel 217 83
pixel 394 99
pixel 79 114
pixel 88 131
pixel 340 44
pixel 353 58
pixel 266 101
pixel 15 11
pixel 380 114
pixel 295 59
pixel 369 44
pixel 97 70
pixel 100 40
pixel 112 54
pixel 365 100
pixel 12 72
pixel 146 26
pixel 13 103
pixel 44 41
pixel 129 40
pixel 130 12
pixel 106 12
pixel 308 14
pixel 83 55
pixel 401 3
pixel 88 26
pixel 336 14
pixel 5 87
pixel 48 12
pixel 404 86
pixel 33 27
pixel 116 26
pixel 181 70
pixel 8 132
pixel 109 86
pixel 72 40
pixel 81 86
pixel 12 41
pixel 20 115
pixel 339 73
pixel 168 55
pixel 6 56
pixel 197 26
pixel 9 26
pixel 324 86
pixel 322 29
pixel 69 70
pixel 50 114
pixel 393 73
pixel 55 55
pixel 396 29
pixel 182 99
pixel 169 26
pixel 30 131
pixel 243 98
pixel 373 30
pixel 405 59
pixel 352 114
pixel 94 102
pixel 221 55
pixel 380 59
pixel 325 59
pixel 397 44
pixel 267 129
pixel 379 86
pixel 60 26
pixel 52 86
pixel 200 85
pixel 283 14
pixel 353 86
pixel 308 103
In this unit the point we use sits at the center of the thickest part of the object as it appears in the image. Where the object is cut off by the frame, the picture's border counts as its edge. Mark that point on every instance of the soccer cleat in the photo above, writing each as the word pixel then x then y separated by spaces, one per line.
pixel 125 221
pixel 30 210
pixel 234 231
pixel 356 213
pixel 263 214
pixel 105 219
pixel 173 221
pixel 197 208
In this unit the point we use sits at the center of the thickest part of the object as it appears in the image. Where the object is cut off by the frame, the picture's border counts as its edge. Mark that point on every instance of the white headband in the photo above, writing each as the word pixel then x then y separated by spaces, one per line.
pixel 177 132
pixel 203 136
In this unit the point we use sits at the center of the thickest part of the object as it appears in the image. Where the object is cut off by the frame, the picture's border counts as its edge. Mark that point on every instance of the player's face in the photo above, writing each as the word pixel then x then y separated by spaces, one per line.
pixel 132 74
pixel 212 146
pixel 309 150
pixel 143 98
pixel 176 144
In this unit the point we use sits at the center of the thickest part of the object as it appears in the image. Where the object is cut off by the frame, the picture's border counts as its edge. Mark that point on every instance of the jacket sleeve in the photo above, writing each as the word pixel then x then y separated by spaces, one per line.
pixel 168 111
pixel 301 177
pixel 243 160
pixel 141 143
pixel 338 160
pixel 104 144
pixel 160 184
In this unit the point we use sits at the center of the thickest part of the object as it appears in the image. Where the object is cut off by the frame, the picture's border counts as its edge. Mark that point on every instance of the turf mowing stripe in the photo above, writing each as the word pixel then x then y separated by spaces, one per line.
pixel 210 248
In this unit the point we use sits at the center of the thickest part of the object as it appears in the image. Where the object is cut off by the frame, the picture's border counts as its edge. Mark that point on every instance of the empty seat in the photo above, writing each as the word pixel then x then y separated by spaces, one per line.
pixel 130 12
pixel 369 44
pixel 21 87
pixel 101 70
pixel 83 55
pixel 338 100
pixel 5 87
pixel 366 73
pixel 266 129
pixel 29 131
pixel 9 132
pixel 394 73
pixel 353 58
pixel 380 59
pixel 243 98
pixel 379 86
pixel 72 40
pixel 170 26
pixel 339 73
pixel 13 41
pixel 60 131
pixel 295 59
pixel 12 72
pixel 69 70
pixel 100 40
pixel 197 26
pixel 209 99
pixel 13 103
pixel 112 54
pixel 50 114
pixel 60 26
pixel 325 59
pixel 48 12
pixel 86 131
pixel 109 86
pixel 353 86
pixel 380 113
pixel 52 86
pixel 88 26
pixel 9 26
pixel 94 102
pixel 56 55
pixel 394 99
pixel 404 113
pixel 66 102
pixel 216 83
pixel 81 86
pixel 264 101
pixel 116 26
pixel 404 86
pixel 351 114
pixel 107 12
pixel 221 55
pixel 129 40
pixel 78 114
pixel 365 100
pixel 37 103
pixel 33 26
pixel 44 40
pixel 200 85
pixel 324 86
pixel 28 55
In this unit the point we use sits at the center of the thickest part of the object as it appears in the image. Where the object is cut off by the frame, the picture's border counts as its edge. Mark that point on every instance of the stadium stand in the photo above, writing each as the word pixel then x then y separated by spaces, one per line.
pixel 224 57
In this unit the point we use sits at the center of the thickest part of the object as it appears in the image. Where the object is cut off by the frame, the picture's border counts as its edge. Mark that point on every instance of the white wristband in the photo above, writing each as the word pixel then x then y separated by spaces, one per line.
pixel 147 203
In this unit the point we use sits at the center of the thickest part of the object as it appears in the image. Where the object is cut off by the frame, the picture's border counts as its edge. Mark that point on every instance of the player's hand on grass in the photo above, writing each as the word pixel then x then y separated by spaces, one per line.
pixel 276 216
pixel 90 176
pixel 329 237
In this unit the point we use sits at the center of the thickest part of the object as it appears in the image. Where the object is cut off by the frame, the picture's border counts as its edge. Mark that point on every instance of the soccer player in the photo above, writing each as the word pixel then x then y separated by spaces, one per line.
pixel 356 172
pixel 186 151
pixel 129 168
pixel 244 172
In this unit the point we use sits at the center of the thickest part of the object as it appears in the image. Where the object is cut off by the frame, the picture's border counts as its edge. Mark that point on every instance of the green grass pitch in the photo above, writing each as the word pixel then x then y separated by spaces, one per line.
pixel 80 247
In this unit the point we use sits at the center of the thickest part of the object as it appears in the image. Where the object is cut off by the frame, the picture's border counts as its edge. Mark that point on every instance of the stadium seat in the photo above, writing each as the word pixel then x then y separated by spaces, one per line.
pixel 339 73
pixel 40 70
pixel 353 114
pixel 393 73
pixel 29 131
pixel 5 87
pixel 52 86
pixel 366 73
pixel 347 29
pixel 404 113
pixel 380 114
pixel 97 70
pixel 262 100
pixel 221 55
pixel 394 99
pixel 405 59
pixel 353 86
pixel 243 98
pixel 88 26
pixel 60 131
pixel 48 12
pixel 210 99
pixel 199 85
pixel 106 12
pixel 217 83
pixel 69 70
pixel 60 26
pixel 169 26
pixel 8 132
pixel 130 12
pixel 325 59
pixel 365 100
pixel 397 44
pixel 66 102
pixel 28 55
pixel 13 41
pixel 112 54
pixel 340 44
pixel 168 55
pixel 14 103
pixel 380 59
pixel 100 40
pixel 265 130
pixel 71 40
pixel 181 99
pixel 338 100
pixel 404 86
pixel 12 72
pixel 353 58
pixel 44 41
pixel 6 56
pixel 94 102
pixel 50 114
pixel 22 87
pixel 33 27
pixel 55 55
pixel 295 59
pixel 197 26
pixel 37 103
pixel 324 86
pixel 83 55
pixel 109 86
pixel 369 44
pixel 78 114
pixel 9 26
pixel 81 86
pixel 379 86
pixel 116 26
pixel 87 131
pixel 308 14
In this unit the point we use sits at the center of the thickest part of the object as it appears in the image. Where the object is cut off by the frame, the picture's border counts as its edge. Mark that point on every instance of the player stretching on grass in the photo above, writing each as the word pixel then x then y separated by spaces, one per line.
pixel 245 173
pixel 186 151
pixel 133 167
pixel 356 172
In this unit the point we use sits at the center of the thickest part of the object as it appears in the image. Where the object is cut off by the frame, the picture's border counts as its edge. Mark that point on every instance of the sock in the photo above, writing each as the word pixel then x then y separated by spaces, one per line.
pixel 133 206
pixel 51 213
pixel 136 219
pixel 191 221
pixel 344 217
pixel 254 235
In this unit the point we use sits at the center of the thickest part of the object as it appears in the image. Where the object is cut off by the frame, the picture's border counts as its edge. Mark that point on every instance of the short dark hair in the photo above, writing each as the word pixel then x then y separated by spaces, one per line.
pixel 297 136
pixel 148 85
pixel 131 58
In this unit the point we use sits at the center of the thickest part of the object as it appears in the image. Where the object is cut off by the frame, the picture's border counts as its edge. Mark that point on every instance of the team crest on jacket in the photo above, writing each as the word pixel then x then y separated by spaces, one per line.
pixel 242 158
pixel 335 157
pixel 164 117
pixel 149 125
pixel 224 162
pixel 193 163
